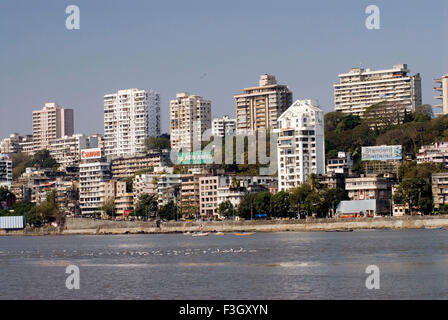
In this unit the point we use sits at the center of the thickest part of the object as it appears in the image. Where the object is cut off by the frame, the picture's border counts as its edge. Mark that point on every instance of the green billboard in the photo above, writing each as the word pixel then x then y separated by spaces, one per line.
pixel 198 157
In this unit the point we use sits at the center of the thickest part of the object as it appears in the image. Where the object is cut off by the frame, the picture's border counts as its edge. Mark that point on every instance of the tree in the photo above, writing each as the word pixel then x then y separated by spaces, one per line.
pixel 333 197
pixel 226 209
pixel 314 204
pixel 49 208
pixel 262 202
pixel 246 206
pixel 235 183
pixel 298 195
pixel 158 143
pixel 19 162
pixel 410 192
pixel 385 114
pixel 108 207
pixel 147 206
pixel 280 204
pixel 43 159
pixel 349 122
pixel 5 194
pixel 332 119
pixel 27 209
pixel 423 113
pixel 168 211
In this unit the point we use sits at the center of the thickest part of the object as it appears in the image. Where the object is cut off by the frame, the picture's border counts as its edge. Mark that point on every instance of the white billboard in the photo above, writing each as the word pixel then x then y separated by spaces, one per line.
pixel 94 153
pixel 381 153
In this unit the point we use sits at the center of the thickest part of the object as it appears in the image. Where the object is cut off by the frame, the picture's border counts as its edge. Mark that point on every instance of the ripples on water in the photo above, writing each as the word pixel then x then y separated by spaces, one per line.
pixel 413 264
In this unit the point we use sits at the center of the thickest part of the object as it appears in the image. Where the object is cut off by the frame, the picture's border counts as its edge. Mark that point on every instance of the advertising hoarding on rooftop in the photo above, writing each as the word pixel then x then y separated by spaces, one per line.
pixel 381 153
pixel 200 157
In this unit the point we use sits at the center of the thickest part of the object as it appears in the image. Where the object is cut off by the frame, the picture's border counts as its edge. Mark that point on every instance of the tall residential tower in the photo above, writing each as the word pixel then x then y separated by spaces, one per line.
pixel 301 145
pixel 50 123
pixel 190 117
pixel 443 94
pixel 130 116
pixel 259 107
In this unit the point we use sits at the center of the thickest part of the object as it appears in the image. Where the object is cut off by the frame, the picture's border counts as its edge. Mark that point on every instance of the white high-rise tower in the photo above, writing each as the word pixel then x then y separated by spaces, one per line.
pixel 130 116
pixel 301 144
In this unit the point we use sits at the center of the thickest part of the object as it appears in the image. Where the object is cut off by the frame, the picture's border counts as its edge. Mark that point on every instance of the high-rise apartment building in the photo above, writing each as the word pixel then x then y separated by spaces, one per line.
pixel 223 126
pixel 130 116
pixel 51 122
pixel 5 171
pixel 190 117
pixel 443 94
pixel 362 88
pixel 94 170
pixel 301 147
pixel 259 107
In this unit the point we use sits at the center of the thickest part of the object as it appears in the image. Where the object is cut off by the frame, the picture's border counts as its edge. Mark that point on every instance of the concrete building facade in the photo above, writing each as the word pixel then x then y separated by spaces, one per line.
pixel 130 116
pixel 190 117
pixel 223 126
pixel 5 171
pixel 127 166
pixel 50 123
pixel 300 146
pixel 94 170
pixel 440 189
pixel 67 149
pixel 434 153
pixel 442 90
pixel 371 187
pixel 259 107
pixel 362 88
pixel 208 201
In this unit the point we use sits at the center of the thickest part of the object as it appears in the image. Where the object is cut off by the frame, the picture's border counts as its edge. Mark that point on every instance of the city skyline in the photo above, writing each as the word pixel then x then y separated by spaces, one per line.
pixel 72 68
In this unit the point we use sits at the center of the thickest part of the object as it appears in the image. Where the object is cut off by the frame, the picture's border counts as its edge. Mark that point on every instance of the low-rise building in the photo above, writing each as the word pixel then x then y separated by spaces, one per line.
pixel 435 153
pixel 440 189
pixel 342 164
pixel 333 180
pixel 128 166
pixel 168 186
pixel 370 187
pixel 208 188
pixel 67 149
pixel 363 208
pixel 16 143
pixel 144 184
pixel 231 189
pixel 189 194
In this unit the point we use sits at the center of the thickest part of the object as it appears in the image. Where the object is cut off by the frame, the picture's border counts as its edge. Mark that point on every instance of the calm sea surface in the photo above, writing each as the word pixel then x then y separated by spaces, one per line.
pixel 319 265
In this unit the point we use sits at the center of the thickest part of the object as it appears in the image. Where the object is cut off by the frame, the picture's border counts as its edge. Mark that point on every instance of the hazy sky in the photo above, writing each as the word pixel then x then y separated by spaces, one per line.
pixel 210 48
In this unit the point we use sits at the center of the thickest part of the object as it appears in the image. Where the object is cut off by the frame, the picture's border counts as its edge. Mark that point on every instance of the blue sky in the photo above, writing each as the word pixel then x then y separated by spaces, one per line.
pixel 210 48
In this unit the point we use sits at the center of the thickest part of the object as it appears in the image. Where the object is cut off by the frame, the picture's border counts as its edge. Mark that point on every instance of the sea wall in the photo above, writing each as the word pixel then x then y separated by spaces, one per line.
pixel 84 226
pixel 89 226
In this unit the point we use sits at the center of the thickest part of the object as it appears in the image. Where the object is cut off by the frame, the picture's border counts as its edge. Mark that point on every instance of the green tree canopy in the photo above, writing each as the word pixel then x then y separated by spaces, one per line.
pixel 226 209
pixel 108 207
pixel 147 206
pixel 158 143
pixel 168 211
pixel 280 204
